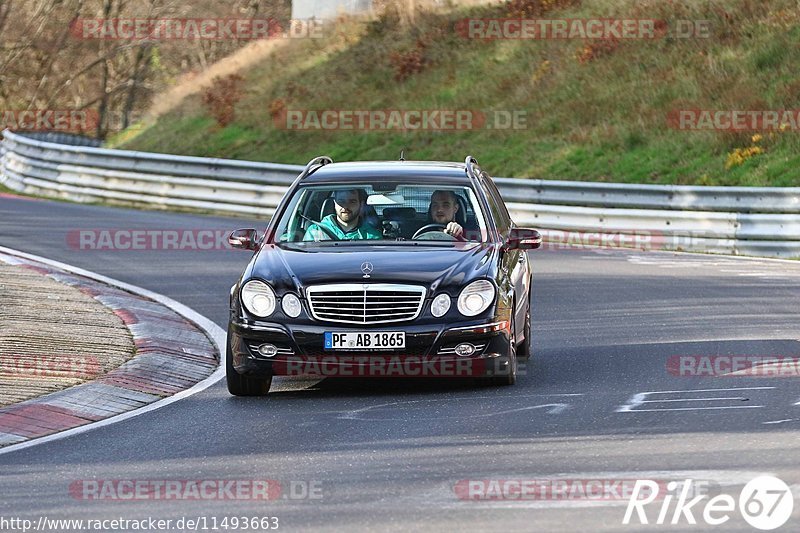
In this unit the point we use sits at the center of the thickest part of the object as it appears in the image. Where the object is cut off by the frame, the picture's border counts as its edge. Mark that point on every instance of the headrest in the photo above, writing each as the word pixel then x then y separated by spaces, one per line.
pixel 328 208
pixel 461 216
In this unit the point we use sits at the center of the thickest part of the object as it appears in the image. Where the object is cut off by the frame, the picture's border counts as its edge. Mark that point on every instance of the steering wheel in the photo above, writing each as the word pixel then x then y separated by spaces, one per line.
pixel 429 228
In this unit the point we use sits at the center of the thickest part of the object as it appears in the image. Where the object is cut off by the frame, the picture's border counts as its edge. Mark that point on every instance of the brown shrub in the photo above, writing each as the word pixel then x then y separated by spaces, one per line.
pixel 521 9
pixel 596 49
pixel 221 97
pixel 277 110
pixel 406 64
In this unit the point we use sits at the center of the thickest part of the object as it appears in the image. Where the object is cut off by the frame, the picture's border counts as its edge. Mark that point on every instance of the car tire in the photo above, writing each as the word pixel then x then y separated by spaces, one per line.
pixel 508 378
pixel 240 385
pixel 524 351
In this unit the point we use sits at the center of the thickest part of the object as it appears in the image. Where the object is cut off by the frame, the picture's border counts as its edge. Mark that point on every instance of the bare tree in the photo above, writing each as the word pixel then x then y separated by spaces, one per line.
pixel 5 9
pixel 141 64
pixel 56 51
pixel 44 65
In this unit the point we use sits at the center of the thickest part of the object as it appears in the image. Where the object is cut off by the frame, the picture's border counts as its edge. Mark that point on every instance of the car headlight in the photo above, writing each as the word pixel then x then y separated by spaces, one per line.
pixel 291 305
pixel 476 298
pixel 258 298
pixel 440 305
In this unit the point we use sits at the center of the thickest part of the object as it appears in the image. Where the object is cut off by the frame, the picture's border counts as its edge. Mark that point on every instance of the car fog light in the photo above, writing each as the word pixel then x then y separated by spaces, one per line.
pixel 268 350
pixel 291 305
pixel 465 350
pixel 440 305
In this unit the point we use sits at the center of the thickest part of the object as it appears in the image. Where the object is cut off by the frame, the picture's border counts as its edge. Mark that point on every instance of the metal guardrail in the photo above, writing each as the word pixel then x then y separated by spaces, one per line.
pixel 738 220
pixel 637 196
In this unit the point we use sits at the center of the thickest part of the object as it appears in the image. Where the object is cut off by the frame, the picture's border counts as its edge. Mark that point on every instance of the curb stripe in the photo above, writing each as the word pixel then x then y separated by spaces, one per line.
pixel 57 409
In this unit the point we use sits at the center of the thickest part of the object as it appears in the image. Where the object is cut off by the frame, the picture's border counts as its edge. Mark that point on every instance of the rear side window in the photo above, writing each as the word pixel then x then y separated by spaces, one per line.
pixel 496 205
pixel 501 204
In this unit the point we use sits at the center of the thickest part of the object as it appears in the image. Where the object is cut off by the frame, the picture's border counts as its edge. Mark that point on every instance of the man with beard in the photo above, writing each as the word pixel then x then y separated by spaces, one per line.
pixel 347 223
pixel 443 209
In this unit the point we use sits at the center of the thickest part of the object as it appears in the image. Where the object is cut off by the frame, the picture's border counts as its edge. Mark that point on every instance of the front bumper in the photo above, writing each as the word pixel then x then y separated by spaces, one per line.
pixel 428 353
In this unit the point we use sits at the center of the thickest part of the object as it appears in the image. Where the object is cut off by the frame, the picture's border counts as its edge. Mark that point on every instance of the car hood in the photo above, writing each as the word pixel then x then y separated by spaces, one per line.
pixel 437 267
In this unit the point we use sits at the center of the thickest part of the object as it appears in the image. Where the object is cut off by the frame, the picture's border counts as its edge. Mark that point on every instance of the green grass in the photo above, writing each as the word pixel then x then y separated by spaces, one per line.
pixel 603 120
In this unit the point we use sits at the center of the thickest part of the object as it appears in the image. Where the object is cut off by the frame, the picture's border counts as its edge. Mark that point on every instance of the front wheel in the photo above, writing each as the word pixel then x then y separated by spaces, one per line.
pixel 508 375
pixel 524 351
pixel 240 385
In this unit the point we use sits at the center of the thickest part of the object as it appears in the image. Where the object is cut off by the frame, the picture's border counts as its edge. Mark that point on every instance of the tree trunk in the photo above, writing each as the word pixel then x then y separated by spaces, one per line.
pixel 143 56
pixel 102 112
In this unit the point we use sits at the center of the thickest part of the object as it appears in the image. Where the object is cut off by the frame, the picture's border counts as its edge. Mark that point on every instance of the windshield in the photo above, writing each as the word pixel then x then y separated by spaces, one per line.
pixel 406 212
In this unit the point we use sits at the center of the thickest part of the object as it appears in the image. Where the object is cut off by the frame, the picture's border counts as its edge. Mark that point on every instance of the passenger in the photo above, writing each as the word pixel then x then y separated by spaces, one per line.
pixel 347 223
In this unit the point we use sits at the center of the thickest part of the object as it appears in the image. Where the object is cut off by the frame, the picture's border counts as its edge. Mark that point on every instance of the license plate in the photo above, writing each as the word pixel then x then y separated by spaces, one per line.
pixel 365 340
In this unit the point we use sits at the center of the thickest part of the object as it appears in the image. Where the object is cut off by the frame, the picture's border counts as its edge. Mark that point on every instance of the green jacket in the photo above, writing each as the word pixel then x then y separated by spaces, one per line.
pixel 361 232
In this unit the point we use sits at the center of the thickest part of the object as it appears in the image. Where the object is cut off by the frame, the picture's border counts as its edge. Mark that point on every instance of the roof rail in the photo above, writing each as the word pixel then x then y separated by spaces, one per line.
pixel 472 168
pixel 314 164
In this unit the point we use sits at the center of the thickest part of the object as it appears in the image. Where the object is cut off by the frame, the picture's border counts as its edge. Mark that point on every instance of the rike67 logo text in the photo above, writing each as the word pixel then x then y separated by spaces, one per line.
pixel 765 503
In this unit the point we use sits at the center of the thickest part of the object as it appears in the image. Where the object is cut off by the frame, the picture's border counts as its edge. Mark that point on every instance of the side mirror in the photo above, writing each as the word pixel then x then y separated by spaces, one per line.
pixel 244 239
pixel 523 239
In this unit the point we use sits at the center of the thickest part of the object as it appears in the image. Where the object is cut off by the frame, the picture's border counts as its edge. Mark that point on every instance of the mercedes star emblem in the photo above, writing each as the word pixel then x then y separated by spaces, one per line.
pixel 366 268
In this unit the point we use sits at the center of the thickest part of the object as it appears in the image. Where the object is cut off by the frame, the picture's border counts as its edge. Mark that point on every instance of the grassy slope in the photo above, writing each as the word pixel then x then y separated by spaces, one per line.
pixel 602 120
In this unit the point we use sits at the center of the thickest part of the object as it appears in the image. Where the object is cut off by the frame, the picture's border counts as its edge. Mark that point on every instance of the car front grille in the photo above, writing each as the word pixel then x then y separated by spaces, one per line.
pixel 365 303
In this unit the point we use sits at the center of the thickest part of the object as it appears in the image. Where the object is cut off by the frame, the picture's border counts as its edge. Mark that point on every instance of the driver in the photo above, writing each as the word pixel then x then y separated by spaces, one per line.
pixel 347 223
pixel 443 209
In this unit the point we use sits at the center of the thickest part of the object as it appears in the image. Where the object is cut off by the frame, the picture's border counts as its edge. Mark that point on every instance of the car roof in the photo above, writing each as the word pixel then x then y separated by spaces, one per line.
pixel 409 171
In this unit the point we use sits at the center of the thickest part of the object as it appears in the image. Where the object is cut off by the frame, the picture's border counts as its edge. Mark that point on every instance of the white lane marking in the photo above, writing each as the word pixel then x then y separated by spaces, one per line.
pixel 706 390
pixel 641 398
pixel 214 332
pixel 740 398
pixel 783 421
pixel 763 275
pixel 695 408
pixel 554 408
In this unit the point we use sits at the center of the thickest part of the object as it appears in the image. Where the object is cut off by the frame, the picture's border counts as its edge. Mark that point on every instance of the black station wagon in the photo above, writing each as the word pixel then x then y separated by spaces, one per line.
pixel 383 269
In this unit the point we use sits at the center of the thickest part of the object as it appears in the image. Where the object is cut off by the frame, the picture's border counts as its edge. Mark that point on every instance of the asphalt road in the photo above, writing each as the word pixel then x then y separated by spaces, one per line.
pixel 386 455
